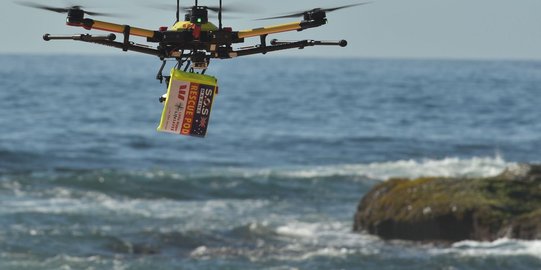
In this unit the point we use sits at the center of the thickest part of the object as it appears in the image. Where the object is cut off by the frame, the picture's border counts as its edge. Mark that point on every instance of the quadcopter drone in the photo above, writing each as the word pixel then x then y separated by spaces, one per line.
pixel 193 42
pixel 195 39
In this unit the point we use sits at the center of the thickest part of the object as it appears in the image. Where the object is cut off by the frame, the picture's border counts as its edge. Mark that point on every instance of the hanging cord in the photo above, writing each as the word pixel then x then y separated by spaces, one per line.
pixel 181 60
pixel 188 63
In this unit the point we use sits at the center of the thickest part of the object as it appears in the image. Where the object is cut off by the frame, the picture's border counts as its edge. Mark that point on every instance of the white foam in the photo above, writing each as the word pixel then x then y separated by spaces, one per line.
pixel 500 247
pixel 312 230
pixel 298 229
pixel 411 168
pixel 100 204
pixel 447 167
pixel 335 252
pixel 335 235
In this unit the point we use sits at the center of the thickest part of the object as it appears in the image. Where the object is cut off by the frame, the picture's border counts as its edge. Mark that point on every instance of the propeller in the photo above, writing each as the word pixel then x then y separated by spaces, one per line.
pixel 234 8
pixel 302 13
pixel 63 10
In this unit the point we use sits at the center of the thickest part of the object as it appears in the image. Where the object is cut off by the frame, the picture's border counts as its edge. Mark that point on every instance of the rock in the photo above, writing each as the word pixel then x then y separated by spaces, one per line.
pixel 455 209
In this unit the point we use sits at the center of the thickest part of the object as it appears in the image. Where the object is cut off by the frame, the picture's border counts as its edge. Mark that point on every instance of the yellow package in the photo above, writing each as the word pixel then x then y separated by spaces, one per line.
pixel 188 103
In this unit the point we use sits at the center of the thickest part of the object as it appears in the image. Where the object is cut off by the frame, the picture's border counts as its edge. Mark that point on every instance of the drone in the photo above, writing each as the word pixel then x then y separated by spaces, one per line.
pixel 192 43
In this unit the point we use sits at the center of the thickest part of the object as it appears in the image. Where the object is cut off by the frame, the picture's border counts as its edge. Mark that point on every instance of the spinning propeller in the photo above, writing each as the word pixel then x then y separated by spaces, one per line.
pixel 236 8
pixel 217 9
pixel 303 13
pixel 64 10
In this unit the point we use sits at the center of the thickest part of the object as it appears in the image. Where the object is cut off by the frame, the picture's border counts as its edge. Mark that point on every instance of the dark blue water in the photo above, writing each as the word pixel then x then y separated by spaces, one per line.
pixel 86 181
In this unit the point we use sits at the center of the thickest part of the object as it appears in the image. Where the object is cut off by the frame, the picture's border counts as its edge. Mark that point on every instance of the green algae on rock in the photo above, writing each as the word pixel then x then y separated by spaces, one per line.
pixel 455 209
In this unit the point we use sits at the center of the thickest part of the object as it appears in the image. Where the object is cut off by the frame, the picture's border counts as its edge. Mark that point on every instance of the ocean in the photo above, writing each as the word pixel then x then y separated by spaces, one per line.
pixel 86 181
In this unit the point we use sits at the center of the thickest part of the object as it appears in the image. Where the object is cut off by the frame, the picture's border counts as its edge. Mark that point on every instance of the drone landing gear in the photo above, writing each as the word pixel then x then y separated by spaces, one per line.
pixel 160 76
pixel 82 37
pixel 277 45
pixel 107 41
pixel 341 43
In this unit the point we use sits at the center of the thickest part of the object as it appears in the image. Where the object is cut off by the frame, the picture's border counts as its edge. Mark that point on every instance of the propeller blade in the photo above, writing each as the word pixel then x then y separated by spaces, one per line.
pixel 102 14
pixel 216 9
pixel 346 6
pixel 294 15
pixel 64 10
pixel 233 8
pixel 44 7
pixel 301 13
pixel 162 6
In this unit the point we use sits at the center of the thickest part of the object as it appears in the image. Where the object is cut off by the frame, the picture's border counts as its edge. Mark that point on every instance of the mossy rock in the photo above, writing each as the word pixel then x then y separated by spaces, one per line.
pixel 454 209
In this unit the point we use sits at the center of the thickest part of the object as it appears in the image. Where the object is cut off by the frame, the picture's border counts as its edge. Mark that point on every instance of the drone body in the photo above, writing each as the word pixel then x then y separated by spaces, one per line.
pixel 192 43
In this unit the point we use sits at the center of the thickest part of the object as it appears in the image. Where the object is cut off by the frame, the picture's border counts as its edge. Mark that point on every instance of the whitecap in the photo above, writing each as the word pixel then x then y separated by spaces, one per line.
pixel 499 247
pixel 446 167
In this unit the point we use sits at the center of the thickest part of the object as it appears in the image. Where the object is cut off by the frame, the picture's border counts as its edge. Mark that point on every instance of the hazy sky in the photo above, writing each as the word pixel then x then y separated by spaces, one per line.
pixel 495 29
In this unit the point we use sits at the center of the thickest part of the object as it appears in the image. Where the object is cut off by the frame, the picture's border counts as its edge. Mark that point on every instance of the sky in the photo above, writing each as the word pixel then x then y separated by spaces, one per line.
pixel 449 29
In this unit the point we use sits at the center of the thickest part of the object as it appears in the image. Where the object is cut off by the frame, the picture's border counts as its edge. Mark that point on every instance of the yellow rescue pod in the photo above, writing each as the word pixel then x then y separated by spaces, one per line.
pixel 188 103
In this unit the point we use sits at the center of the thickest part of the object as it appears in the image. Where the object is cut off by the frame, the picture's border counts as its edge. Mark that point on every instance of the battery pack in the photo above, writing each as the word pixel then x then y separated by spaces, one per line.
pixel 188 103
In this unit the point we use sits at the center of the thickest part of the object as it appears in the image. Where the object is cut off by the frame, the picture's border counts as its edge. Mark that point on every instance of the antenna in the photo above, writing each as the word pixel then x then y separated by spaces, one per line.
pixel 178 10
pixel 220 16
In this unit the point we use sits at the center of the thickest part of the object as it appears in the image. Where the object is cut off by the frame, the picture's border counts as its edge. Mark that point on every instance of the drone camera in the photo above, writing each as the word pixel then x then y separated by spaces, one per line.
pixel 200 60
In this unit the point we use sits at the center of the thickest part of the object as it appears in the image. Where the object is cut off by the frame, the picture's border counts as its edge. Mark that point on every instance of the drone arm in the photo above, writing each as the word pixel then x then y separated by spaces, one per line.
pixel 111 27
pixel 269 30
pixel 295 26
pixel 90 24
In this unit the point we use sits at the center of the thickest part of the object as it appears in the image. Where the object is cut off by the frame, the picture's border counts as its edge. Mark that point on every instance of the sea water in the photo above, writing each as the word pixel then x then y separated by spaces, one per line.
pixel 86 181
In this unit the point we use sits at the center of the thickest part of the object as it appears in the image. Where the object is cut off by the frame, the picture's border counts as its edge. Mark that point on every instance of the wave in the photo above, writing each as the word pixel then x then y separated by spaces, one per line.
pixel 104 206
pixel 447 167
pixel 499 247
pixel 238 183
